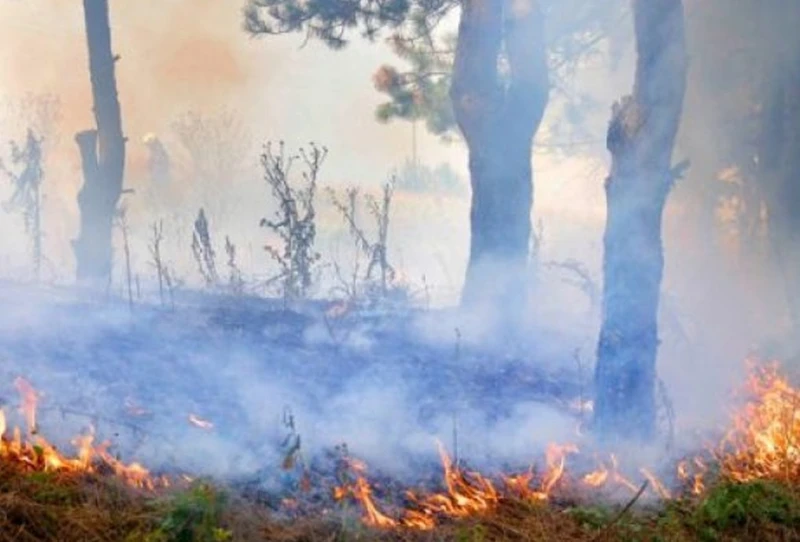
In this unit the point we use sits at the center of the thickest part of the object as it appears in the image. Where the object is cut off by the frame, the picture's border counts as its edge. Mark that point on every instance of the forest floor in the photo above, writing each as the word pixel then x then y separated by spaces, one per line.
pixel 44 507
pixel 253 410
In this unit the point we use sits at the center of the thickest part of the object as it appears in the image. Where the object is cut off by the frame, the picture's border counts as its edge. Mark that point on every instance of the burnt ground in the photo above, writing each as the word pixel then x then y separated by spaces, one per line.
pixel 379 382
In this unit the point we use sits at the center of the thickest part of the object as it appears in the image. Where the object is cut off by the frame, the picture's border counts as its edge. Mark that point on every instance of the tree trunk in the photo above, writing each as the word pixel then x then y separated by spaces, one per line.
pixel 641 137
pixel 779 162
pixel 498 122
pixel 102 154
pixel 779 149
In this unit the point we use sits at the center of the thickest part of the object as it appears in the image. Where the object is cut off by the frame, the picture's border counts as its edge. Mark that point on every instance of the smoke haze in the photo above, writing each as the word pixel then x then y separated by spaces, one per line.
pixel 192 55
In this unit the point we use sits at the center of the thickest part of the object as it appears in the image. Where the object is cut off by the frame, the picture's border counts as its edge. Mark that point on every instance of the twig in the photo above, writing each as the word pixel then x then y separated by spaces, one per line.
pixel 122 221
pixel 621 513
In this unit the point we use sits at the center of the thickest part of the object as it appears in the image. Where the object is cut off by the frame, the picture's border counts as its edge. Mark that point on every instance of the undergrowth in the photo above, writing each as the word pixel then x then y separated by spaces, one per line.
pixel 65 508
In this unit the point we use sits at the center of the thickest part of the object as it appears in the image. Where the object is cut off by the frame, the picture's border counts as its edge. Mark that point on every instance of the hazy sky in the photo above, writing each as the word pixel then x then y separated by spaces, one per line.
pixel 192 54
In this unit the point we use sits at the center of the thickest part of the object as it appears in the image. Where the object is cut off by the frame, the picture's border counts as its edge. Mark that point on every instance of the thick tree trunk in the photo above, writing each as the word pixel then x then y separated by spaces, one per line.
pixel 498 123
pixel 102 154
pixel 779 164
pixel 641 138
pixel 779 148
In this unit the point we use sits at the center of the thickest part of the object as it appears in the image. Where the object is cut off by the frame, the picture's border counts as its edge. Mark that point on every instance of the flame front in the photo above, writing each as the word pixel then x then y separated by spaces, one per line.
pixel 362 492
pixel 39 454
pixel 763 442
pixel 467 493
pixel 765 439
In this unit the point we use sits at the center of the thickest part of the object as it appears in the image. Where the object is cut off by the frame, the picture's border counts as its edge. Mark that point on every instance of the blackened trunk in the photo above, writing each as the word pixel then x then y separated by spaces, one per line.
pixel 498 123
pixel 641 138
pixel 102 154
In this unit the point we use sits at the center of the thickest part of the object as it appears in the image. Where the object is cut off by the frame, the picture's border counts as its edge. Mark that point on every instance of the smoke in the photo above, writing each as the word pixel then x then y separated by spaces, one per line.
pixel 191 55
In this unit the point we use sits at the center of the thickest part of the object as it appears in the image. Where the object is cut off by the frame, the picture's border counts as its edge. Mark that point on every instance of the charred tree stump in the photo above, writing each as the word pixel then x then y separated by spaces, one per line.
pixel 102 154
pixel 498 123
pixel 641 138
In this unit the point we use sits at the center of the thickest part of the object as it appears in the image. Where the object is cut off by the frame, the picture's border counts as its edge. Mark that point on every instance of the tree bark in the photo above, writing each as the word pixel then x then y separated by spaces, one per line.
pixel 779 149
pixel 102 154
pixel 498 122
pixel 641 137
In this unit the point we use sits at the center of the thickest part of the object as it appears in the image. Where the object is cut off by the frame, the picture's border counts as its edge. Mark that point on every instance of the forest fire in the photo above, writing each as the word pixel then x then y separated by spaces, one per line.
pixel 762 443
pixel 35 453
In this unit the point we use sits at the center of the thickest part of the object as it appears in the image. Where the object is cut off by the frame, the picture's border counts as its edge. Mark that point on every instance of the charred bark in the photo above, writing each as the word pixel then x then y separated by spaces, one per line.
pixel 102 154
pixel 498 123
pixel 641 137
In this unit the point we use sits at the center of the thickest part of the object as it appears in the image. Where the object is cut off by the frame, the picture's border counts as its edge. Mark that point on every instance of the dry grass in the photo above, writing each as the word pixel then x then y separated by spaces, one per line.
pixel 55 507
pixel 47 507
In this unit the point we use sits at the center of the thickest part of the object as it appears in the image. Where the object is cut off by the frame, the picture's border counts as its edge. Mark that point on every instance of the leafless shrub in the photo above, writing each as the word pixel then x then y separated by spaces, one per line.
pixel 235 277
pixel 157 237
pixel 348 286
pixel 203 251
pixel 379 259
pixel 26 173
pixel 581 278
pixel 206 258
pixel 172 283
pixel 379 276
pixel 122 224
pixel 295 219
pixel 291 446
pixel 167 282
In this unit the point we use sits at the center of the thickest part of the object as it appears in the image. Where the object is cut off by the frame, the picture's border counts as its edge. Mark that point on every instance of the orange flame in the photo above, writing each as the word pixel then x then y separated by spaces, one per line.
pixel 374 517
pixel 596 478
pixel 362 492
pixel 467 493
pixel 39 454
pixel 29 401
pixel 765 439
pixel 656 484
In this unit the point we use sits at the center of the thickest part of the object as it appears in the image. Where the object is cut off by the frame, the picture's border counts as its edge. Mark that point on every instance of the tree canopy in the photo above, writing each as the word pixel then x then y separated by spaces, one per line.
pixel 422 34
